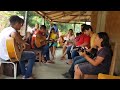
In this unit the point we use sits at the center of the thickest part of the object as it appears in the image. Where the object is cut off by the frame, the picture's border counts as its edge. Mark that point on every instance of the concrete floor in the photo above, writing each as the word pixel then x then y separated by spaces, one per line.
pixel 48 71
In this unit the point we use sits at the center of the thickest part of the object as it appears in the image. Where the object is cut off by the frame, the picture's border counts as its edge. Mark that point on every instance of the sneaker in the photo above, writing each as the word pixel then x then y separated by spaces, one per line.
pixel 23 77
pixel 29 78
pixel 67 75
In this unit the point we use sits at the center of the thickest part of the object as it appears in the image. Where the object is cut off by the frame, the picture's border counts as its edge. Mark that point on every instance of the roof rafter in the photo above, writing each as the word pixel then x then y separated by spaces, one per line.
pixel 73 18
pixel 50 13
pixel 63 15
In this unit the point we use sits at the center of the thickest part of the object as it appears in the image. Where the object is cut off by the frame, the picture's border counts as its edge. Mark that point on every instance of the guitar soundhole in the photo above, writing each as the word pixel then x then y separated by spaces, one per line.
pixel 19 47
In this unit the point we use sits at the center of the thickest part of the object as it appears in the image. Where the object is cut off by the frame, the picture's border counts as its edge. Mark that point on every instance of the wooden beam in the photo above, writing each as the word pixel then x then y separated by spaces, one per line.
pixel 58 17
pixel 80 15
pixel 42 14
pixel 52 12
pixel 72 18
pixel 63 15
pixel 45 16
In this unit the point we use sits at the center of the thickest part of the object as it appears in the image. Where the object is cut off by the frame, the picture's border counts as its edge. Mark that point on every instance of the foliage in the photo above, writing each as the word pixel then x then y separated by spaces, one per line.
pixel 34 18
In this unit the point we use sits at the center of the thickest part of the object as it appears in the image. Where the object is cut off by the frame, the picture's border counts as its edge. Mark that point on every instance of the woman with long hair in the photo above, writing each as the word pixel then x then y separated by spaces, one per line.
pixel 101 63
pixel 68 42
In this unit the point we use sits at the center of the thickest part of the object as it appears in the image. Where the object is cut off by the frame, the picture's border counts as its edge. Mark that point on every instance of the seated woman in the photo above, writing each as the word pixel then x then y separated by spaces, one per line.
pixel 68 42
pixel 101 63
pixel 53 43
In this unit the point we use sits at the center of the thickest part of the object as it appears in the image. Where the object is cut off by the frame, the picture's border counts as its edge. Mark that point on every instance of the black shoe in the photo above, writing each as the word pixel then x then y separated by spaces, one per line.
pixel 65 73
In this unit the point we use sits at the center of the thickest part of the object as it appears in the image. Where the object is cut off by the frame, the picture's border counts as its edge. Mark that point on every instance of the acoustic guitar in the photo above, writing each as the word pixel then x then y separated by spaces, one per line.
pixel 14 49
pixel 40 41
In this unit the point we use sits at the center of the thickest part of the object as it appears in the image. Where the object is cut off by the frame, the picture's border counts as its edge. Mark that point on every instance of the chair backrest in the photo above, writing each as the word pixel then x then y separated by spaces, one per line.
pixel 114 49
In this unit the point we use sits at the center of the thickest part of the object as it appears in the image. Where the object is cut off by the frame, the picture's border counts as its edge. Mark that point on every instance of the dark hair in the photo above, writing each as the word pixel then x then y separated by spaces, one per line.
pixel 43 27
pixel 15 19
pixel 87 27
pixel 83 25
pixel 54 25
pixel 105 37
pixel 77 34
pixel 22 21
pixel 71 30
pixel 51 30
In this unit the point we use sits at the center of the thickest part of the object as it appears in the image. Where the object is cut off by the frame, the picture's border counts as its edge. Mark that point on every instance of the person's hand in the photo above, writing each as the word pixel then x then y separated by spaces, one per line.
pixel 88 50
pixel 82 53
pixel 23 46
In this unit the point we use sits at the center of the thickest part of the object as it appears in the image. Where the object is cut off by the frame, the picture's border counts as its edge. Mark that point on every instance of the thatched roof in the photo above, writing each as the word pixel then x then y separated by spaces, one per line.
pixel 66 16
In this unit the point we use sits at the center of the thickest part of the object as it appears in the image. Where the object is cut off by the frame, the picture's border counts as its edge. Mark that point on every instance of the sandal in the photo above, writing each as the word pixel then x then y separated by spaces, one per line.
pixel 62 58
pixel 43 61
pixel 69 63
pixel 50 62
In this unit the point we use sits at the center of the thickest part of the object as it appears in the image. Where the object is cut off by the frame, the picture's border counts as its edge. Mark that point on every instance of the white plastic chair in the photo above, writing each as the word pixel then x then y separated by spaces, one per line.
pixel 14 65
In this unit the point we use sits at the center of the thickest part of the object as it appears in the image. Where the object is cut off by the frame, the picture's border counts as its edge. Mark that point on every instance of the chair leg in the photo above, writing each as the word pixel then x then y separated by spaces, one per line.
pixel 15 70
pixel 40 59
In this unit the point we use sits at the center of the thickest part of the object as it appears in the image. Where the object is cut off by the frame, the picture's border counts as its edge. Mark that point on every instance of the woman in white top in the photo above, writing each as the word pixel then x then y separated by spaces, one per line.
pixel 69 38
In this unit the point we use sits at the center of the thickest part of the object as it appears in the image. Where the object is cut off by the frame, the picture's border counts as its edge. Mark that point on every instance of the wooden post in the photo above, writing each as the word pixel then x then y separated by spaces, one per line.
pixel 101 18
pixel 74 27
pixel 44 20
pixel 25 18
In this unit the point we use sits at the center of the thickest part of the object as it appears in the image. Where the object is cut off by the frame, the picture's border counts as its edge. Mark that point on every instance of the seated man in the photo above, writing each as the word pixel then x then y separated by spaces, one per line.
pixel 84 40
pixel 12 31
pixel 40 35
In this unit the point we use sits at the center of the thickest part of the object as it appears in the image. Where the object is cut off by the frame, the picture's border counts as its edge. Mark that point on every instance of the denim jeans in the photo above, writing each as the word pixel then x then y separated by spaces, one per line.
pixel 76 60
pixel 68 52
pixel 30 57
pixel 45 52
pixel 74 54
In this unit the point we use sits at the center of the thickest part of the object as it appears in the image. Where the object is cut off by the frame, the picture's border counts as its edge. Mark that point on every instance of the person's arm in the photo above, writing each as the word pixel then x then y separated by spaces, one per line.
pixel 19 39
pixel 71 40
pixel 95 62
pixel 100 57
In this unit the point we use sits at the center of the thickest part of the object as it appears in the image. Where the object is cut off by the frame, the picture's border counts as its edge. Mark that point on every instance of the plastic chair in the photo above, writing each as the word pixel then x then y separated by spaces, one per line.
pixel 14 65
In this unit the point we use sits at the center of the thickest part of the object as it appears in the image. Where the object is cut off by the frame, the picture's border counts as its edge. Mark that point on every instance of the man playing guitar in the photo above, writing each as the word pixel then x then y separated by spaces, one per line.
pixel 39 43
pixel 15 24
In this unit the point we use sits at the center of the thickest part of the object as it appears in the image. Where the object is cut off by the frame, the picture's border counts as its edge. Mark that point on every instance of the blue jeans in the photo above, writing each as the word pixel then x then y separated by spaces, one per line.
pixel 76 60
pixel 68 52
pixel 45 52
pixel 30 57
pixel 74 54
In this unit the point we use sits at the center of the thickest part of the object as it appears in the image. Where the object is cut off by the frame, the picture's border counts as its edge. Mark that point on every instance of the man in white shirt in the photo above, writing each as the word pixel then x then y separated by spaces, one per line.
pixel 15 24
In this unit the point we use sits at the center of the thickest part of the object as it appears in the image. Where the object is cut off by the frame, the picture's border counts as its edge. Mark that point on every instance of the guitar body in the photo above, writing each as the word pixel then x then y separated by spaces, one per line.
pixel 14 49
pixel 40 41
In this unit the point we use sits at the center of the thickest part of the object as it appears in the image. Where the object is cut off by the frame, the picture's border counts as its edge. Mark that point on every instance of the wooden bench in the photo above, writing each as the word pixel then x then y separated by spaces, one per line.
pixel 112 67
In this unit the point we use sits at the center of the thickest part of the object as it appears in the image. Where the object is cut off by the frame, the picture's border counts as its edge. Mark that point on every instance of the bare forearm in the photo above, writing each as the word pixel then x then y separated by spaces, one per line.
pixel 90 60
pixel 20 39
pixel 17 37
pixel 84 44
